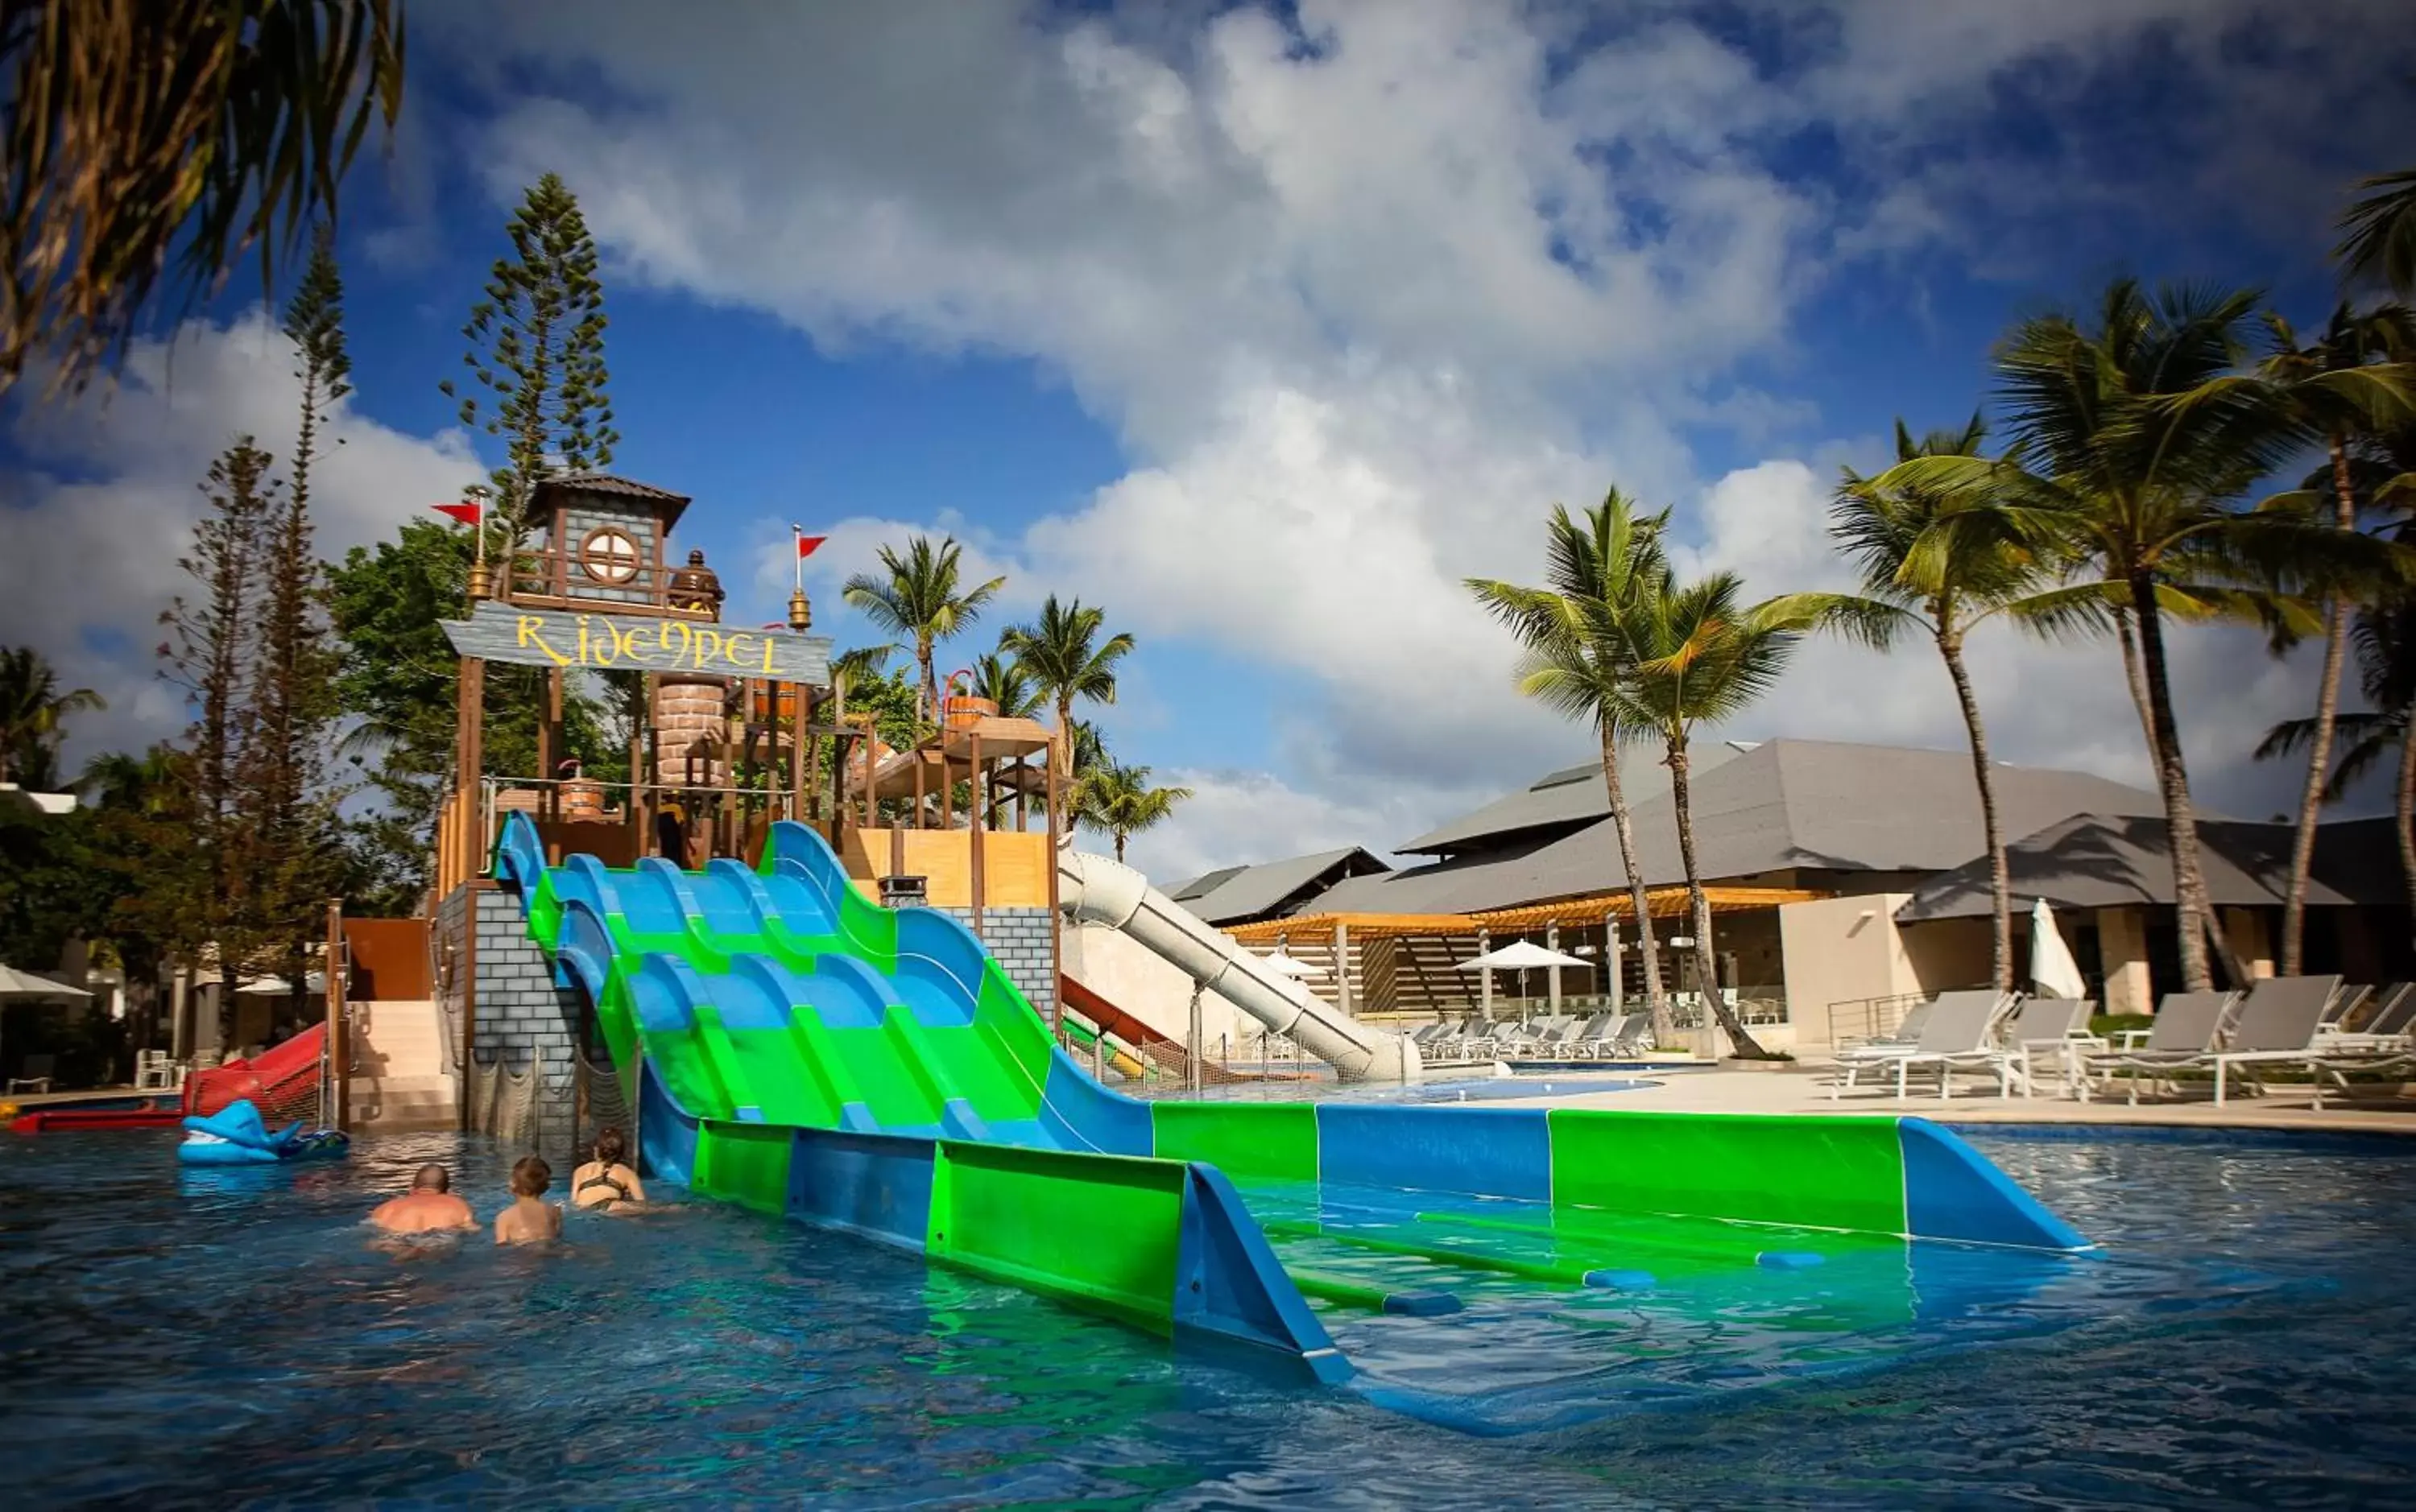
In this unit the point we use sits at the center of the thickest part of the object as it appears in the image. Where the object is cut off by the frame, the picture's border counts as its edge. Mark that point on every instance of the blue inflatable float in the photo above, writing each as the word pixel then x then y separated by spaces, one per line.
pixel 235 1136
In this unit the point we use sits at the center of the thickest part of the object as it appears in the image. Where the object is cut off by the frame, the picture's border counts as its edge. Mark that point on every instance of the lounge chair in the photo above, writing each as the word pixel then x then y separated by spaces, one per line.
pixel 2281 1020
pixel 37 1069
pixel 2044 1027
pixel 1957 1024
pixel 1608 1034
pixel 2188 1027
pixel 2387 1018
pixel 1902 1037
pixel 1558 1039
pixel 2381 1042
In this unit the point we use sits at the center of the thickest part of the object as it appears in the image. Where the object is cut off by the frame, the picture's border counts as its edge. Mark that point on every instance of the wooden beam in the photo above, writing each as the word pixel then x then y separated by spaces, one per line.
pixel 470 759
pixel 973 823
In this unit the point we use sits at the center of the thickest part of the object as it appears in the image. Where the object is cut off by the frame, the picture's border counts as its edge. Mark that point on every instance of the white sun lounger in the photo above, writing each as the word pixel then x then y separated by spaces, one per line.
pixel 2280 1020
pixel 2384 1043
pixel 2188 1027
pixel 2045 1028
pixel 1958 1024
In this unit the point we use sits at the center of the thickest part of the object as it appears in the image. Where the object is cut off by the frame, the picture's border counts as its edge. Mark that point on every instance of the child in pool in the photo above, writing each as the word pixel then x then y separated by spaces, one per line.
pixel 607 1184
pixel 530 1218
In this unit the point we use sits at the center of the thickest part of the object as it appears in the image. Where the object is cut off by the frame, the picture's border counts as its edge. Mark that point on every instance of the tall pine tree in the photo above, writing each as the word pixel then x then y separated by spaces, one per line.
pixel 285 795
pixel 536 344
pixel 209 653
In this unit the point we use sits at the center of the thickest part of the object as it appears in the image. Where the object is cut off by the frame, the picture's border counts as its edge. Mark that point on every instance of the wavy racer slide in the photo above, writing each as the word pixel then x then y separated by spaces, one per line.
pixel 795 1047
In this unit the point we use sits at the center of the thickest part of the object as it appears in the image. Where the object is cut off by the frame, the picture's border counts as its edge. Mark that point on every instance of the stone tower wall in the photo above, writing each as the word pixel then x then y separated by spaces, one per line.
pixel 688 710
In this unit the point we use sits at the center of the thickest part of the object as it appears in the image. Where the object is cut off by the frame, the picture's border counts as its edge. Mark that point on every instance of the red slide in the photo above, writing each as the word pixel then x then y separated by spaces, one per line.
pixel 281 1082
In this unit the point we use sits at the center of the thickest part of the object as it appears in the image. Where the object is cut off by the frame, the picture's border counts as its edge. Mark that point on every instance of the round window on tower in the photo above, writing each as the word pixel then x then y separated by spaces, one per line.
pixel 609 556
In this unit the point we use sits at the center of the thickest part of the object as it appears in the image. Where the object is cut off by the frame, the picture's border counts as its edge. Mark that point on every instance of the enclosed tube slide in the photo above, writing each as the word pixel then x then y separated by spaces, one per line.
pixel 1095 890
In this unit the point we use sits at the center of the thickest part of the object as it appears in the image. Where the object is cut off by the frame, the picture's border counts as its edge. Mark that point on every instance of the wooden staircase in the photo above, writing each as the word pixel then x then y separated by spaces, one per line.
pixel 401 1080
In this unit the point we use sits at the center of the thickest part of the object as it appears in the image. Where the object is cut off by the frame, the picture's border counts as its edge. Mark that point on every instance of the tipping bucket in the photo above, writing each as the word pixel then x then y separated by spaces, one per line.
pixel 959 711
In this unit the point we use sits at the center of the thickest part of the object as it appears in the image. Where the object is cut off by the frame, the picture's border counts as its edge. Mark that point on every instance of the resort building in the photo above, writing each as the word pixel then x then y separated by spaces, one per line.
pixel 1844 880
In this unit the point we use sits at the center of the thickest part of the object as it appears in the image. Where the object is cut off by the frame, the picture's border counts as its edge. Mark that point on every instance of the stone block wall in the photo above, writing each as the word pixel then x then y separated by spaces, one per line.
pixel 1018 937
pixel 524 1024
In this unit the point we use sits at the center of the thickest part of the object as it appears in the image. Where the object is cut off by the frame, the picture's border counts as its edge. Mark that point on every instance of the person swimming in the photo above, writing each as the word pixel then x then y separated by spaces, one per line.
pixel 428 1207
pixel 530 1218
pixel 607 1183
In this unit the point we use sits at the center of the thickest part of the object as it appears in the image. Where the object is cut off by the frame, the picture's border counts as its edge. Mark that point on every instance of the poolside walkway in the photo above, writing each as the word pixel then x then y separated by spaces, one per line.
pixel 1806 1091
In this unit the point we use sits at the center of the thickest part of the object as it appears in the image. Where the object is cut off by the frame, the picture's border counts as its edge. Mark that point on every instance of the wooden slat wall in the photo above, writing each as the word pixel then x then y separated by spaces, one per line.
pixel 1015 867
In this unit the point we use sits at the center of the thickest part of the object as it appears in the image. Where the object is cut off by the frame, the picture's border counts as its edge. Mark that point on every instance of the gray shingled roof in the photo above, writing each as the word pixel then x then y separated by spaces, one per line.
pixel 2094 861
pixel 1558 800
pixel 606 483
pixel 1238 893
pixel 1779 806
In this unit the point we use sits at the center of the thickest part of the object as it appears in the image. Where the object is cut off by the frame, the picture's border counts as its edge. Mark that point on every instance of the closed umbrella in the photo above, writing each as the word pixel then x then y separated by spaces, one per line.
pixel 2053 970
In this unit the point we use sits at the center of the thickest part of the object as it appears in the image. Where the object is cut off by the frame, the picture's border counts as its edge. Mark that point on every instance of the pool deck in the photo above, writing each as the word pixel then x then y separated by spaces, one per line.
pixel 1805 1090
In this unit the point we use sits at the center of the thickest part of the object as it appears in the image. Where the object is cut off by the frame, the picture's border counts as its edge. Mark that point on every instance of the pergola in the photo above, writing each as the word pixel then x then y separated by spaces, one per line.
pixel 1590 911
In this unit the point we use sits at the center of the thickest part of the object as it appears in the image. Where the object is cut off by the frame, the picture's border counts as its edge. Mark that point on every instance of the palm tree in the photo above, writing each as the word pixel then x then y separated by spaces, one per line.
pixel 2339 387
pixel 921 600
pixel 2384 637
pixel 1000 678
pixel 1940 566
pixel 1118 800
pixel 121 782
pixel 2131 434
pixel 1581 657
pixel 1702 655
pixel 1062 652
pixel 1086 752
pixel 2379 233
pixel 195 127
pixel 31 708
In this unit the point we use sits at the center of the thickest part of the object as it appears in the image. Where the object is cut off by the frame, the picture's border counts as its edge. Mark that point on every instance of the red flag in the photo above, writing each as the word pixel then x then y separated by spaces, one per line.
pixel 466 513
pixel 806 545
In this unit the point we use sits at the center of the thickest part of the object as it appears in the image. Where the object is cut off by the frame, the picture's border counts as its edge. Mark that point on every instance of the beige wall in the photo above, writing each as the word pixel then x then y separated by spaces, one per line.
pixel 1152 989
pixel 2250 939
pixel 1948 954
pixel 1840 951
pixel 2123 952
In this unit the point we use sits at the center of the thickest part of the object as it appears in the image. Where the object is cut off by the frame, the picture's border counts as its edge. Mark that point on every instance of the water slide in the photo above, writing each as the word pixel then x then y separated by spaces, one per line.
pixel 794 1046
pixel 1096 890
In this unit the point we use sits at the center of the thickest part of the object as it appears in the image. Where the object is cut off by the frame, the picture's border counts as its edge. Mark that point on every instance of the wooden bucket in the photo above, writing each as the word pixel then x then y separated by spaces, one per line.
pixel 767 706
pixel 959 711
pixel 583 800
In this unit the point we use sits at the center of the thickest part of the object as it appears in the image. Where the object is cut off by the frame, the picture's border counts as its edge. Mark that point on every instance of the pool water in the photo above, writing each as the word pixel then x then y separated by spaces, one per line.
pixel 186 1340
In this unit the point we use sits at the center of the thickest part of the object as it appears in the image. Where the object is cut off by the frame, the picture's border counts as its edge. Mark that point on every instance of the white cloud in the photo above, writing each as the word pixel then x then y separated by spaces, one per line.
pixel 96 533
pixel 1363 296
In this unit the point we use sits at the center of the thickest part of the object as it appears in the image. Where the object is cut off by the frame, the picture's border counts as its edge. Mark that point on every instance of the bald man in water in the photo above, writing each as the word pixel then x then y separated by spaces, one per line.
pixel 428 1207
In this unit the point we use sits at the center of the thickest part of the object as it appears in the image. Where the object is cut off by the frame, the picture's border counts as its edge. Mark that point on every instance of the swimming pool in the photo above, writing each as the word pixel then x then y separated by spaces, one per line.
pixel 187 1341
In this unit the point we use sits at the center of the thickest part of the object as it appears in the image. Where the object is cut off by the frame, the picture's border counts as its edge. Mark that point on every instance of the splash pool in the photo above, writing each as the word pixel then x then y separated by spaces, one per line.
pixel 194 1340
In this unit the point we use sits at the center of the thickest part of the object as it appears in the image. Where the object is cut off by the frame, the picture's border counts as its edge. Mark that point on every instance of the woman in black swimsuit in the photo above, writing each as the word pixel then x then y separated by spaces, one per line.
pixel 606 1183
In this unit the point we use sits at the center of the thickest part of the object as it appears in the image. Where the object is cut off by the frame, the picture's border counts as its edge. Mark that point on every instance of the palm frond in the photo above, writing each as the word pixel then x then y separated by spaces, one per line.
pixel 2379 233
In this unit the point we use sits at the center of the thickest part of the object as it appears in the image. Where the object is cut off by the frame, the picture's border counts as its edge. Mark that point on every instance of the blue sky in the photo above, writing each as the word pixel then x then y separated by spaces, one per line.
pixel 1264 327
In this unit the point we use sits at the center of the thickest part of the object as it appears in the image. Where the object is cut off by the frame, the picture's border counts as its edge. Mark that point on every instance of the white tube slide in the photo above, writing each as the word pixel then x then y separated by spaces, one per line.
pixel 1095 890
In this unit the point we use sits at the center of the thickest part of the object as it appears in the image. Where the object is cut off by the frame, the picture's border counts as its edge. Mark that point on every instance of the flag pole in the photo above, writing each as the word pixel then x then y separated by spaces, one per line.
pixel 797 538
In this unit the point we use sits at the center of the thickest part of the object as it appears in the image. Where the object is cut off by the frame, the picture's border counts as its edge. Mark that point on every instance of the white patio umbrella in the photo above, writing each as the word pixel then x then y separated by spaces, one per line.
pixel 1290 965
pixel 2053 970
pixel 24 987
pixel 1519 955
